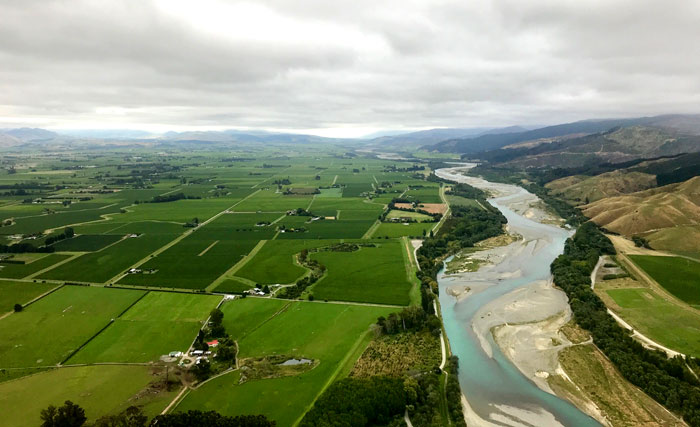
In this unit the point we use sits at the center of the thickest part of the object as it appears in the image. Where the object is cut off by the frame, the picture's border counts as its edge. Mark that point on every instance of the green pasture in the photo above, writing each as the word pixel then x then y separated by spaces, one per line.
pixel 679 276
pixel 416 216
pixel 100 390
pixel 324 332
pixel 274 263
pixel 12 293
pixel 388 229
pixel 48 331
pixel 673 326
pixel 371 274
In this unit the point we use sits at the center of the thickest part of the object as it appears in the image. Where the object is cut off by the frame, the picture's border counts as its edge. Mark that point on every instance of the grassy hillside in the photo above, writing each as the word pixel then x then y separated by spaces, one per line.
pixel 650 210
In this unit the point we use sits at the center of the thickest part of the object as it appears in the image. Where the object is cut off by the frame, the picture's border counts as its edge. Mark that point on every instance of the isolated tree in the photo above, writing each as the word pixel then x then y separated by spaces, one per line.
pixel 18 308
pixel 216 316
pixel 68 415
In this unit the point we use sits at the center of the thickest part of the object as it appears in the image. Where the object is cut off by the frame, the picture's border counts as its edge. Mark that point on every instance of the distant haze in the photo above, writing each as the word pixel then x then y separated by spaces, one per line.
pixel 343 68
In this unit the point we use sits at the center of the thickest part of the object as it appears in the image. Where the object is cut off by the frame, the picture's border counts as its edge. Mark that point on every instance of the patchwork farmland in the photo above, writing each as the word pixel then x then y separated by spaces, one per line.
pixel 141 275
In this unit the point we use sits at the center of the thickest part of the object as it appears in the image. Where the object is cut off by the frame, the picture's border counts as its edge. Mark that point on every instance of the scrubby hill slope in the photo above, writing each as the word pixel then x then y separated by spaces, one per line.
pixel 580 189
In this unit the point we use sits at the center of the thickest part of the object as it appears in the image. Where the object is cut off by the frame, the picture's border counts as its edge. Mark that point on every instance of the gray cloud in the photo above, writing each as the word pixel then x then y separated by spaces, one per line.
pixel 367 64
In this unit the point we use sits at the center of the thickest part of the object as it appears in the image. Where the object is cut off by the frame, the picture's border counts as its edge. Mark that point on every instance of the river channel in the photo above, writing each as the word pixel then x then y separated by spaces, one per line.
pixel 515 287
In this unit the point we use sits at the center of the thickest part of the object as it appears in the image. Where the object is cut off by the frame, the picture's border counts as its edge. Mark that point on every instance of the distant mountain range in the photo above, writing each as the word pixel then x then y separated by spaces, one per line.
pixel 563 144
pixel 415 140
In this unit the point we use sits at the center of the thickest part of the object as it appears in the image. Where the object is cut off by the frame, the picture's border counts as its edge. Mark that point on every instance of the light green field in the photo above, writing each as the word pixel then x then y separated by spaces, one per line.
pixel 324 332
pixel 371 274
pixel 461 201
pixel 331 192
pixel 660 320
pixel 244 315
pixel 270 201
pixel 100 390
pixel 12 293
pixel 274 263
pixel 172 307
pixel 679 276
pixel 159 323
pixel 399 230
pixel 49 330
pixel 407 214
pixel 131 341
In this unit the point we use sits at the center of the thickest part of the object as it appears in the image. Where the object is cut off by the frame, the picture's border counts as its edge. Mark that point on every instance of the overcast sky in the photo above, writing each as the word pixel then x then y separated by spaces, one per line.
pixel 343 68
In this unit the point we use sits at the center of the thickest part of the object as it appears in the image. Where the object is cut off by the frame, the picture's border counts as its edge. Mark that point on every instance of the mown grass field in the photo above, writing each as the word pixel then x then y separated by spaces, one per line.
pixel 416 216
pixel 324 332
pixel 679 276
pixel 387 229
pixel 49 330
pixel 658 319
pixel 12 293
pixel 157 324
pixel 371 274
pixel 100 390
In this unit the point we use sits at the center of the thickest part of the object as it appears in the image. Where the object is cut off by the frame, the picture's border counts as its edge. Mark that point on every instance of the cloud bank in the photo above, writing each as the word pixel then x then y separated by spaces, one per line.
pixel 344 67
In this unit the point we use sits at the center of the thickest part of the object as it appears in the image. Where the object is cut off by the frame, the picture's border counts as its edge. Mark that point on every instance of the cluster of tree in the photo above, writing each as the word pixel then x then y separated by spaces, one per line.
pixel 668 381
pixel 192 224
pixel 67 234
pixel 641 242
pixel 19 248
pixel 317 271
pixel 467 191
pixel 412 168
pixel 291 192
pixel 300 212
pixel 72 415
pixel 453 393
pixel 466 226
pixel 372 401
pixel 284 181
pixel 410 319
pixel 571 214
pixel 171 198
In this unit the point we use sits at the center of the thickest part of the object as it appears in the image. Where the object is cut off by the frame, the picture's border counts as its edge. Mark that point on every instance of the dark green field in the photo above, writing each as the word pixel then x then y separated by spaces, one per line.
pixel 679 276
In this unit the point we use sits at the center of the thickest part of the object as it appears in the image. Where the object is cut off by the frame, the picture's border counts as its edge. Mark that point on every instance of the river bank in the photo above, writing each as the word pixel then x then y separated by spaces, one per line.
pixel 503 320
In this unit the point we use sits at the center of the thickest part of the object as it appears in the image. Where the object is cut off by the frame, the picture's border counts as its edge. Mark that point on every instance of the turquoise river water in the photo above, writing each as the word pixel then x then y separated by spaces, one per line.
pixel 497 392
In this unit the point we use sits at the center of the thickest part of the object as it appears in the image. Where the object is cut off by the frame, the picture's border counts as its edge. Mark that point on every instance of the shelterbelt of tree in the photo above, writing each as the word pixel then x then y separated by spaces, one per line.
pixel 668 381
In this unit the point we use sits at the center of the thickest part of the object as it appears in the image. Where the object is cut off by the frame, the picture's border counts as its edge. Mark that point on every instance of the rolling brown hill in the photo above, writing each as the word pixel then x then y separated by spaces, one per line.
pixel 648 211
